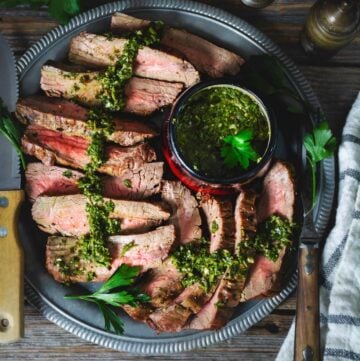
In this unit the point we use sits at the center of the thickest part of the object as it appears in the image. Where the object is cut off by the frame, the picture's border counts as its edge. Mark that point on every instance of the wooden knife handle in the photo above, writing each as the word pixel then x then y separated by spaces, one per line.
pixel 11 269
pixel 307 331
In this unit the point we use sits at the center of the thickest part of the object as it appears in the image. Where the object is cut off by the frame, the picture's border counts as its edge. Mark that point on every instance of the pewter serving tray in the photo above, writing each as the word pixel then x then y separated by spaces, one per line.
pixel 83 319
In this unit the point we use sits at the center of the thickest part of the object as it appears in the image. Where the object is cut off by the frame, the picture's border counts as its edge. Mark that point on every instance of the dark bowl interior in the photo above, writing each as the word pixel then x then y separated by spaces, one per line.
pixel 244 176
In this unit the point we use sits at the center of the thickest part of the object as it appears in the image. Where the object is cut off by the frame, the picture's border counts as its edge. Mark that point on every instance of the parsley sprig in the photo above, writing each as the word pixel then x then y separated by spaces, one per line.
pixel 238 149
pixel 11 131
pixel 112 293
pixel 320 144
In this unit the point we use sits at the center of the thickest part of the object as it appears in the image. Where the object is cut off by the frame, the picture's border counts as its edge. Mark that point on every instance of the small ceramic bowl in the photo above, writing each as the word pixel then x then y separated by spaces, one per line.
pixel 195 180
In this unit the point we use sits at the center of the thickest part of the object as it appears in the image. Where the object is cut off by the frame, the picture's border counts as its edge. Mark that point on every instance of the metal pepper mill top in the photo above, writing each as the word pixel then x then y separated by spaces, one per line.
pixel 330 25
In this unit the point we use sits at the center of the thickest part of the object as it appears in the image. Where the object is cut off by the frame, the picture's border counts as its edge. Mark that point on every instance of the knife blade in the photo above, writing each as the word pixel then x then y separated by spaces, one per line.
pixel 11 195
pixel 307 329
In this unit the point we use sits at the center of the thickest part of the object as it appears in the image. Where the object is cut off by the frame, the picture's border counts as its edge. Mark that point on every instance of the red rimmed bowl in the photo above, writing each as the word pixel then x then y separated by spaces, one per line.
pixel 195 179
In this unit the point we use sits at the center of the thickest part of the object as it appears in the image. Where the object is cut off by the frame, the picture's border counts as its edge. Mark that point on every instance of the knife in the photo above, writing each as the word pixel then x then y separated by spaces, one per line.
pixel 11 256
pixel 307 329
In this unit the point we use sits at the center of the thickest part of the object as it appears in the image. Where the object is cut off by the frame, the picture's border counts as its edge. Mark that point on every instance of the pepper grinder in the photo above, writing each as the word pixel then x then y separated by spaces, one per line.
pixel 257 3
pixel 330 25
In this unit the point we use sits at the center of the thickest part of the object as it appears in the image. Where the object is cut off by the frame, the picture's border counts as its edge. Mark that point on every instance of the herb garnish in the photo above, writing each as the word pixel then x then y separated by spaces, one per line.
pixel 198 265
pixel 320 144
pixel 67 173
pixel 239 150
pixel 114 78
pixel 112 293
pixel 11 131
pixel 127 183
pixel 98 210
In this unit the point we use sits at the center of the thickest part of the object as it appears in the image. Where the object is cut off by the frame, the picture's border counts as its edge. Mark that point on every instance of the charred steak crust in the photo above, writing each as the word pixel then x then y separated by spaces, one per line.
pixel 185 212
pixel 278 197
pixel 204 55
pixel 142 96
pixel 44 180
pixel 99 51
pixel 70 118
pixel 220 221
pixel 54 147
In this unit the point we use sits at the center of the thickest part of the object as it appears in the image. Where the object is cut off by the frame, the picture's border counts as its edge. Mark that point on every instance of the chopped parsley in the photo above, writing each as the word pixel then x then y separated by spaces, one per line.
pixel 127 183
pixel 67 173
pixel 214 227
pixel 198 265
pixel 114 78
pixel 127 247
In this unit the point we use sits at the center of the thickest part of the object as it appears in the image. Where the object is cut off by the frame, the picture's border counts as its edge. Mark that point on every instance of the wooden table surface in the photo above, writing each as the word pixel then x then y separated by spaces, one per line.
pixel 336 82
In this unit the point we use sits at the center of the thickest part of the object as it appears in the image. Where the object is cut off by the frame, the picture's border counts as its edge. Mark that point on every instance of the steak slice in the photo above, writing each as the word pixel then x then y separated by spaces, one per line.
pixel 220 220
pixel 174 317
pixel 45 180
pixel 185 212
pixel 245 217
pixel 204 55
pixel 60 252
pixel 217 312
pixel 142 96
pixel 52 147
pixel 66 215
pixel 147 250
pixel 99 51
pixel 162 284
pixel 277 197
pixel 70 118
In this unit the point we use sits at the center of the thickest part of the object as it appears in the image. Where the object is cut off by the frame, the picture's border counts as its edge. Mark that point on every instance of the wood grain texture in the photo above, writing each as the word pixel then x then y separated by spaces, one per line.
pixel 307 340
pixel 336 82
pixel 11 269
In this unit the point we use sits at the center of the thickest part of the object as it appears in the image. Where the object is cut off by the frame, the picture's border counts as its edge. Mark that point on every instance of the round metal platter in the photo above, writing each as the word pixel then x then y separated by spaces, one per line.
pixel 82 319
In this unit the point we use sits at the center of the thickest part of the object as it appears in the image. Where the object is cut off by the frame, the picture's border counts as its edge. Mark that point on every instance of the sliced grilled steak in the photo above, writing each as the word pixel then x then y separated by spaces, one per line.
pixel 44 180
pixel 217 312
pixel 69 118
pixel 47 180
pixel 99 51
pixel 185 212
pixel 172 319
pixel 54 147
pixel 245 217
pixel 204 55
pixel 59 254
pixel 220 220
pixel 143 96
pixel 162 284
pixel 66 215
pixel 147 250
pixel 277 197
pixel 140 312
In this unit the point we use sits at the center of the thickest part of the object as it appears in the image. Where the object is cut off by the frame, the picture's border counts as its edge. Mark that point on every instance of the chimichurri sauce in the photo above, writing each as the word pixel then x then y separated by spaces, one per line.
pixel 207 118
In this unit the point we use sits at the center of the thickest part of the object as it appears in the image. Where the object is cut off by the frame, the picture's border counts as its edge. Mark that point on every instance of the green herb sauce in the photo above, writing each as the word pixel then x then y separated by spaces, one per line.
pixel 114 78
pixel 91 247
pixel 200 266
pixel 208 117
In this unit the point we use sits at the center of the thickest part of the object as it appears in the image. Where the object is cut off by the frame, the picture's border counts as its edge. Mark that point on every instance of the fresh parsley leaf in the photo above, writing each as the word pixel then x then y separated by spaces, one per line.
pixel 11 131
pixel 111 319
pixel 124 276
pixel 67 173
pixel 320 144
pixel 238 150
pixel 103 297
